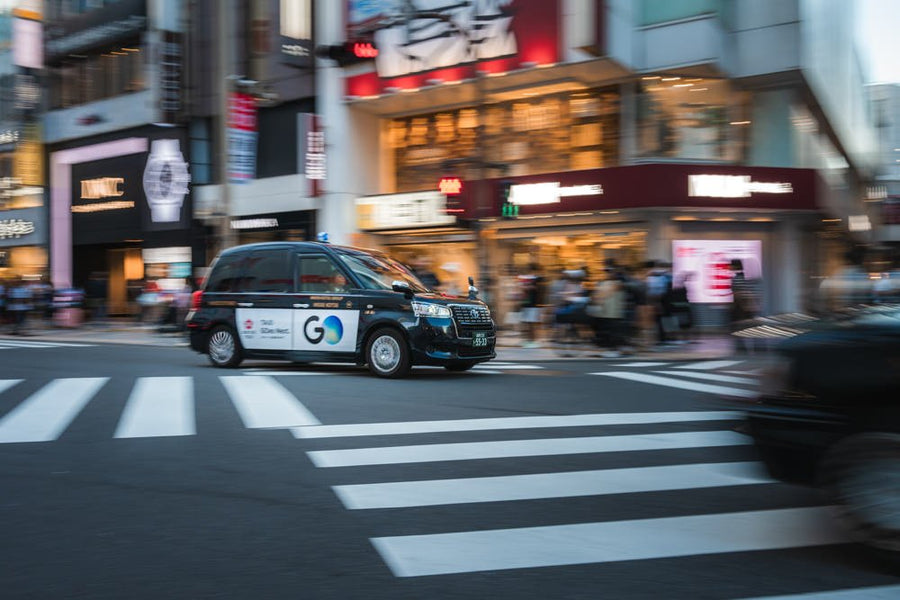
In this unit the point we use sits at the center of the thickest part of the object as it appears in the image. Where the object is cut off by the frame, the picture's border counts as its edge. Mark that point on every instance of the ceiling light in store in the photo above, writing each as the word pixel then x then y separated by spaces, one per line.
pixel 684 218
pixel 740 123
pixel 609 212
pixel 762 220
pixel 651 77
pixel 696 89
pixel 131 49
pixel 695 79
pixel 671 78
pixel 680 85
pixel 721 219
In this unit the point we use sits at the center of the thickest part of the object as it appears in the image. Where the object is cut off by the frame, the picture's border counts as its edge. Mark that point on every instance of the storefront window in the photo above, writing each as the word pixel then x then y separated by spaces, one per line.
pixel 571 131
pixel 690 118
pixel 81 79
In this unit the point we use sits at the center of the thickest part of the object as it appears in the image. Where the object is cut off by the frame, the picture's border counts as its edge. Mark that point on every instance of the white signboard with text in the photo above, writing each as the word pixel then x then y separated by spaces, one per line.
pixel 418 209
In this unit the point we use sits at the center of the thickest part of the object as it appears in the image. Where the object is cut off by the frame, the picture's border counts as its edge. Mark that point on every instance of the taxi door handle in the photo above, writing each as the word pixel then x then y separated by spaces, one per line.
pixel 245 304
pixel 301 306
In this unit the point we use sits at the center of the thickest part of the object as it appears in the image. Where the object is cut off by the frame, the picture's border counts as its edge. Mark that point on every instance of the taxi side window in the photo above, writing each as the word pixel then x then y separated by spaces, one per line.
pixel 225 274
pixel 267 271
pixel 319 275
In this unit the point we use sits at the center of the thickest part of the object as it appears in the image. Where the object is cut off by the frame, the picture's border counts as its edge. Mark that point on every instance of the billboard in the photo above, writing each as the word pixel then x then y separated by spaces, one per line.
pixel 705 266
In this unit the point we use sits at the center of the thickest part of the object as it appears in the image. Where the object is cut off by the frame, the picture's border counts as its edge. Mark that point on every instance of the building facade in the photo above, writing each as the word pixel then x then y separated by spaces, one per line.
pixel 569 132
pixel 24 230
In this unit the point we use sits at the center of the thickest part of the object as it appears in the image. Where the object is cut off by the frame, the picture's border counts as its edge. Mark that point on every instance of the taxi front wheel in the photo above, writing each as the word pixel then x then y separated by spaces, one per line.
pixel 387 354
pixel 223 347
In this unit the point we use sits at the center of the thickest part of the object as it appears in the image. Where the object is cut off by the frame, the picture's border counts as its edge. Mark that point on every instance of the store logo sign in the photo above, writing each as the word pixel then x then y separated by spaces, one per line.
pixel 529 194
pixel 103 187
pixel 15 228
pixel 733 186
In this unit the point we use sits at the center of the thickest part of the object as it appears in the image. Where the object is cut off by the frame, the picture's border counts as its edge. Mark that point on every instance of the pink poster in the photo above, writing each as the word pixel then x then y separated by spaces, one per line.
pixel 705 266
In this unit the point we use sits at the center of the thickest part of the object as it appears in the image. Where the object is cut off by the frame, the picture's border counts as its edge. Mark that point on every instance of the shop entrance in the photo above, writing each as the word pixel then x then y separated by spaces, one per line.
pixel 583 252
pixel 109 277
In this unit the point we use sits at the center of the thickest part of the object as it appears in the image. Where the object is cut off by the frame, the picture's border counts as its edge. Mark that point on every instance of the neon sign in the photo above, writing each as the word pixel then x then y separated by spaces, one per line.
pixel 450 186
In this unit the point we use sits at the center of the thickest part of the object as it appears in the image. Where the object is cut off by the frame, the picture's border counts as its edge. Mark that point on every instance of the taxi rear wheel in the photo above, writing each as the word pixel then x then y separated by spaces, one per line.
pixel 387 354
pixel 223 347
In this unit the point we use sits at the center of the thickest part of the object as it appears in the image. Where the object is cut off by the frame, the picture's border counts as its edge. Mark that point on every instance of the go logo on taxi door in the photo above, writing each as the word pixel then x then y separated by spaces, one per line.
pixel 331 330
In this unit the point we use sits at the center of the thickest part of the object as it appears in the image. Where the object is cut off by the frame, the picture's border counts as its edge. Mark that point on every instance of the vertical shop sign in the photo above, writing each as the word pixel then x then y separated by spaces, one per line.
pixel 241 138
pixel 170 80
pixel 315 168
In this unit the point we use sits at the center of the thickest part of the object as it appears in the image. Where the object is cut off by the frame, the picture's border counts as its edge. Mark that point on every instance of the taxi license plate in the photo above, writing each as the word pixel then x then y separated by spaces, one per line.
pixel 479 339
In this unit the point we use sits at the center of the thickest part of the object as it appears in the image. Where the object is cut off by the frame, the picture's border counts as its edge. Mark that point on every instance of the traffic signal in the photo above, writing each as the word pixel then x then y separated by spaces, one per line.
pixel 507 209
pixel 349 53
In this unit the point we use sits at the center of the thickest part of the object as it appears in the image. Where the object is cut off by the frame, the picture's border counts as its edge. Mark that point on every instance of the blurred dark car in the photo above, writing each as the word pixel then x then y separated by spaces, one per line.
pixel 829 416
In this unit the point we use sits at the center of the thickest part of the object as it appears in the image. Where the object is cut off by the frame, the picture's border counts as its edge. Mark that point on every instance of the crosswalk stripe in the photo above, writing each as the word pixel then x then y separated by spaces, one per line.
pixel 881 592
pixel 159 407
pixel 263 403
pixel 677 383
pixel 708 365
pixel 587 543
pixel 405 494
pixel 642 364
pixel 712 377
pixel 5 384
pixel 29 344
pixel 499 423
pixel 519 448
pixel 46 414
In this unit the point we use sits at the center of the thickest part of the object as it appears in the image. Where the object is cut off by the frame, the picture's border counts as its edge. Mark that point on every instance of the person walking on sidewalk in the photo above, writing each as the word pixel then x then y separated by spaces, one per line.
pixel 532 300
pixel 19 304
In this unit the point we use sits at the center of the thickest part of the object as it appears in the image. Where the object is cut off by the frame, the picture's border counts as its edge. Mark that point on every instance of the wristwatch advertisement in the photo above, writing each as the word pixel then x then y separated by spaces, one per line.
pixel 166 181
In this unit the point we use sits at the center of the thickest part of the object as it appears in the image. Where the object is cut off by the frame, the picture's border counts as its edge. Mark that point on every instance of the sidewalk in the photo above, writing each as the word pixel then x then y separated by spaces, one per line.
pixel 509 344
pixel 704 347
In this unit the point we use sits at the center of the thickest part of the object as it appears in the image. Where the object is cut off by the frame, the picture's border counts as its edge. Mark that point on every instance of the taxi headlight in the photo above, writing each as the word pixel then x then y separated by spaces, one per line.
pixel 425 309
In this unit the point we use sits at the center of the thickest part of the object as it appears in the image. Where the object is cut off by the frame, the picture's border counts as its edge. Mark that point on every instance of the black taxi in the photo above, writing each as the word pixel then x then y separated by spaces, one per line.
pixel 313 302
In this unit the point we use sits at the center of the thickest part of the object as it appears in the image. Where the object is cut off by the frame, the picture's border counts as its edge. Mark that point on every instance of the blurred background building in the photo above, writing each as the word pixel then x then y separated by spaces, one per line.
pixel 688 132
pixel 141 136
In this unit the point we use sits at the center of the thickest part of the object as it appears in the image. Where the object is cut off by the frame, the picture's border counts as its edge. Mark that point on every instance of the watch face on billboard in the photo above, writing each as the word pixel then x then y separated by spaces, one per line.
pixel 704 266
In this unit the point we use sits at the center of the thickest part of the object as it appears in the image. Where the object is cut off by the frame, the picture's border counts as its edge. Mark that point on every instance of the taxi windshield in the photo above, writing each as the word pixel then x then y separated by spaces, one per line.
pixel 380 272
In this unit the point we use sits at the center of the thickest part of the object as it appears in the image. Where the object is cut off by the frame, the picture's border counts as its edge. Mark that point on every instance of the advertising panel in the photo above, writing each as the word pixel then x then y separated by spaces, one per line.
pixel 241 138
pixel 705 266
pixel 441 40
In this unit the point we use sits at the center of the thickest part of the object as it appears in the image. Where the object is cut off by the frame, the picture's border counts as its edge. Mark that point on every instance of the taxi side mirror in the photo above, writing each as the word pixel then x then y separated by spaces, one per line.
pixel 403 288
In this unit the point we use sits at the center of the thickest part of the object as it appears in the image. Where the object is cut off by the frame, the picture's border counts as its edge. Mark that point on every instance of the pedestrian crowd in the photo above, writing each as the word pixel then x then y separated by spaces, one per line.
pixel 22 299
pixel 623 308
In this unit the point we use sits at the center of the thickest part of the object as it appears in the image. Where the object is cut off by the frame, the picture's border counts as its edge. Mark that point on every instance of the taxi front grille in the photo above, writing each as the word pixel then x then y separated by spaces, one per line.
pixel 472 316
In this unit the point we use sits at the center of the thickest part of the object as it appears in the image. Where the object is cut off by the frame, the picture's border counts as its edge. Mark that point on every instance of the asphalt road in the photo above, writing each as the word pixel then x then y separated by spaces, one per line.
pixel 142 472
